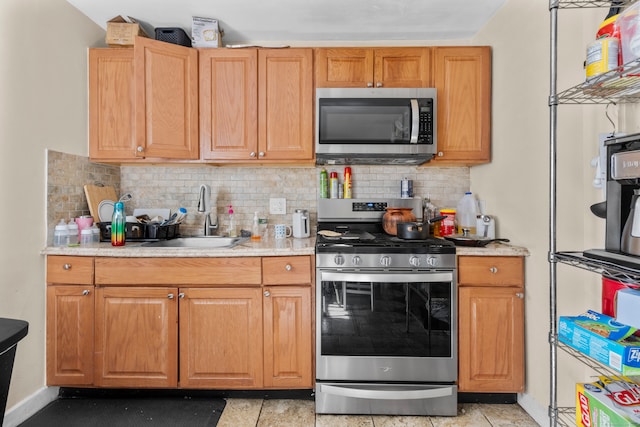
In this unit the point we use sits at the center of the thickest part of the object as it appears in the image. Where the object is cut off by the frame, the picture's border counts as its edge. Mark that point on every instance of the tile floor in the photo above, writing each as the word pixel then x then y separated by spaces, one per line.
pixel 300 413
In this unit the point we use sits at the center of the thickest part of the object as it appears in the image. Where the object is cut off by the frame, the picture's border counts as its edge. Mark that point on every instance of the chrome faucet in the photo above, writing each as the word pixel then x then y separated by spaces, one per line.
pixel 210 225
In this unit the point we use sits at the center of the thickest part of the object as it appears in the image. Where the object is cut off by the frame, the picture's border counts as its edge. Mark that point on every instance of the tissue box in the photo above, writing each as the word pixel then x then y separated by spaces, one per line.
pixel 610 401
pixel 603 339
pixel 122 31
pixel 627 307
pixel 205 32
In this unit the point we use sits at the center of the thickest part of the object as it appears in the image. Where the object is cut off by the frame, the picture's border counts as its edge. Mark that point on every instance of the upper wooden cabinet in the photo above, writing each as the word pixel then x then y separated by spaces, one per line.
pixel 373 67
pixel 462 76
pixel 256 104
pixel 143 102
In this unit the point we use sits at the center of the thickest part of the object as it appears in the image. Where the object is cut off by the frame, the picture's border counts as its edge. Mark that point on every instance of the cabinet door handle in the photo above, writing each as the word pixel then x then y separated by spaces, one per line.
pixel 261 154
pixel 379 84
pixel 440 154
pixel 288 267
pixel 181 295
pixel 139 150
pixel 252 154
pixel 267 293
pixel 520 295
pixel 494 270
pixel 85 292
pixel 67 267
pixel 369 84
pixel 170 296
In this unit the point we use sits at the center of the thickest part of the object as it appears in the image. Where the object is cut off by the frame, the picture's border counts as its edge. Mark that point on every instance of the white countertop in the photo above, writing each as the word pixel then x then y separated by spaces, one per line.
pixel 269 247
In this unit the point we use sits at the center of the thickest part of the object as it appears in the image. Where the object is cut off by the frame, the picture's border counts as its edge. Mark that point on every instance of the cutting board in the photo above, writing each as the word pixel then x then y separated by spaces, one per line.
pixel 95 194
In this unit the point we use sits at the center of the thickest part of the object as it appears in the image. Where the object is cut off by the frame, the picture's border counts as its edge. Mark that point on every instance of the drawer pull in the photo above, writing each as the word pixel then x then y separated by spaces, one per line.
pixel 67 266
pixel 85 292
pixel 494 270
pixel 288 267
pixel 181 295
pixel 520 295
pixel 170 296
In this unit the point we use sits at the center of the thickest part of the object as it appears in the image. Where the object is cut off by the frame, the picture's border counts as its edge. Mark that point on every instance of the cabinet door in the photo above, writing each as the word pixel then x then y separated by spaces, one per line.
pixel 402 67
pixel 287 337
pixel 228 103
pixel 491 339
pixel 136 337
pixel 221 338
pixel 70 335
pixel 111 104
pixel 285 104
pixel 166 79
pixel 463 79
pixel 344 67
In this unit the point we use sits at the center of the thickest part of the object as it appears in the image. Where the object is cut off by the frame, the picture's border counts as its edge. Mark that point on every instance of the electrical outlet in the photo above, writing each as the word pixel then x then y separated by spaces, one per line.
pixel 277 206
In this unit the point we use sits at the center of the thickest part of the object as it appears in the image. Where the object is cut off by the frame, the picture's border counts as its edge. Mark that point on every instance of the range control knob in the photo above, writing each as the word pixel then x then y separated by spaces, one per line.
pixel 432 261
pixel 356 260
pixel 414 261
pixel 338 260
pixel 385 261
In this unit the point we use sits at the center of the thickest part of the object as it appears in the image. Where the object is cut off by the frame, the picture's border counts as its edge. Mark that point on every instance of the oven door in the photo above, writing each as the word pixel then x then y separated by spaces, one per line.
pixel 386 326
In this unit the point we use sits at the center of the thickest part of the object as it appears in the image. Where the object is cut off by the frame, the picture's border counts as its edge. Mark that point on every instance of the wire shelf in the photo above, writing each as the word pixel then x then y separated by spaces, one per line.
pixel 609 269
pixel 578 4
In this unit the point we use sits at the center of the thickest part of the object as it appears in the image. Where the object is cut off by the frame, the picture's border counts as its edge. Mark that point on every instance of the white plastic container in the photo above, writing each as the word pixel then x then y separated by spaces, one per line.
pixel 61 234
pixel 74 233
pixel 629 24
pixel 467 213
pixel 86 237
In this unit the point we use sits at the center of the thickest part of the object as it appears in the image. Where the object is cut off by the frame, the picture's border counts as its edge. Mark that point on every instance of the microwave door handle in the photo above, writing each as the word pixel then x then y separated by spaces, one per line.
pixel 415 121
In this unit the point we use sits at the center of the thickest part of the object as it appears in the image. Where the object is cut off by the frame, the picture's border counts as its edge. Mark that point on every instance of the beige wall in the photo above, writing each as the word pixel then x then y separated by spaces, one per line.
pixel 516 184
pixel 43 104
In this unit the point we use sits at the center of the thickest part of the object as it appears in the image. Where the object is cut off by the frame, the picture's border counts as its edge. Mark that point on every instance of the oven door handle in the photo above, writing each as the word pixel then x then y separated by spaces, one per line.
pixel 389 393
pixel 399 277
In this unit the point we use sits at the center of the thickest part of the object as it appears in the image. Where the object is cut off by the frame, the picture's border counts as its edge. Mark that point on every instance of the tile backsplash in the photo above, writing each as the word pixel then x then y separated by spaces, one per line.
pixel 247 189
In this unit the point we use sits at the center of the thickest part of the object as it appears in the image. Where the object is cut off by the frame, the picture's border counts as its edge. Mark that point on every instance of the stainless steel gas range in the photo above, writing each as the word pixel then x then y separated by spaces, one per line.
pixel 386 333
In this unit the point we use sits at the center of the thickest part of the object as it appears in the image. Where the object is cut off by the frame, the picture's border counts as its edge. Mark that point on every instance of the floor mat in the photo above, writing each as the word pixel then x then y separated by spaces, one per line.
pixel 124 412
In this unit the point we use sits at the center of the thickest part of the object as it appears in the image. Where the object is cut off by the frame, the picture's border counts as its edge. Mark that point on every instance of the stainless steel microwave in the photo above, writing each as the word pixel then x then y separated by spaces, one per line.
pixel 375 125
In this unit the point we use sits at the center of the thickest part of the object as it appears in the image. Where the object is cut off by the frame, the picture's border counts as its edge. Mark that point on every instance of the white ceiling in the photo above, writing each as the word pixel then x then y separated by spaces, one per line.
pixel 284 21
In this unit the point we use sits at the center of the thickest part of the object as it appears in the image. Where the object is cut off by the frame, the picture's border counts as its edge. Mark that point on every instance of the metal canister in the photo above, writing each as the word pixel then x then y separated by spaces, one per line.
pixel 406 188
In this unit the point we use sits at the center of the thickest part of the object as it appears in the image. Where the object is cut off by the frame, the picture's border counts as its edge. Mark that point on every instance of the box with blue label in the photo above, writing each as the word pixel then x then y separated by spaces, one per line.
pixel 603 339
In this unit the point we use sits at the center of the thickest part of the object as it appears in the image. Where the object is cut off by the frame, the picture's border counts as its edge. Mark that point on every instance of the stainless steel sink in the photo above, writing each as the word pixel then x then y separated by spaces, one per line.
pixel 198 242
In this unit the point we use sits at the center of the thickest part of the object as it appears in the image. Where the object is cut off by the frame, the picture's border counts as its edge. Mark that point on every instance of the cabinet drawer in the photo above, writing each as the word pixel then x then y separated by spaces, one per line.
pixel 178 271
pixel 491 270
pixel 290 270
pixel 71 270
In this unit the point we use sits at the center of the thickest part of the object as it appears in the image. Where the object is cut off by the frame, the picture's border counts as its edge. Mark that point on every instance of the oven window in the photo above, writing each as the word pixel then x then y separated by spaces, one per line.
pixel 354 121
pixel 386 319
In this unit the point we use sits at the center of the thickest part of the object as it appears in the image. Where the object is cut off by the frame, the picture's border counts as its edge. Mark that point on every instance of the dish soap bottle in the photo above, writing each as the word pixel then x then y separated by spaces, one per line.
pixel 255 228
pixel 232 223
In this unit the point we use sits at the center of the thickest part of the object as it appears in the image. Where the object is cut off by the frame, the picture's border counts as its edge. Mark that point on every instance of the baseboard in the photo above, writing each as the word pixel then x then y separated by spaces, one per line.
pixel 489 398
pixel 303 394
pixel 24 409
pixel 532 407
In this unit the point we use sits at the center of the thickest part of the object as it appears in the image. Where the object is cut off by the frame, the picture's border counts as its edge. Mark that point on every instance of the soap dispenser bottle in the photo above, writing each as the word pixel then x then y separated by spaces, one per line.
pixel 232 223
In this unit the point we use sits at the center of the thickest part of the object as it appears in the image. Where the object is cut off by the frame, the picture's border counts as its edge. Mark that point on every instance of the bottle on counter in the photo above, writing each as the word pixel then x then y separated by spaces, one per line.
pixel 255 228
pixel 232 223
pixel 61 234
pixel 95 233
pixel 74 232
pixel 430 211
pixel 86 237
pixel 347 183
pixel 324 184
pixel 118 225
pixel 467 213
pixel 333 185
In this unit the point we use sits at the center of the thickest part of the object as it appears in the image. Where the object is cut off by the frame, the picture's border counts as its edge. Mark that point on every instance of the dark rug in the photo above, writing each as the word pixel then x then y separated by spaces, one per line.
pixel 131 411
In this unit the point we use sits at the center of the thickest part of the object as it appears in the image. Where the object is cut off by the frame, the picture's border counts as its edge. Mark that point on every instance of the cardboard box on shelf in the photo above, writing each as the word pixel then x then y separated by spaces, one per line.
pixel 603 339
pixel 205 32
pixel 610 401
pixel 122 31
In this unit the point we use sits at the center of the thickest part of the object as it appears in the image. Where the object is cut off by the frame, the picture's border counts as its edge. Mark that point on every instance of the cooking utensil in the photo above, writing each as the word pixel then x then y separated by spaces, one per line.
pixel 415 230
pixel 472 240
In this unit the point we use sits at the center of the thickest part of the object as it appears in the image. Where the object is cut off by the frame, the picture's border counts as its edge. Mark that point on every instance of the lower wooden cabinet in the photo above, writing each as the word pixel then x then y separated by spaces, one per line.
pixel 250 335
pixel 491 324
